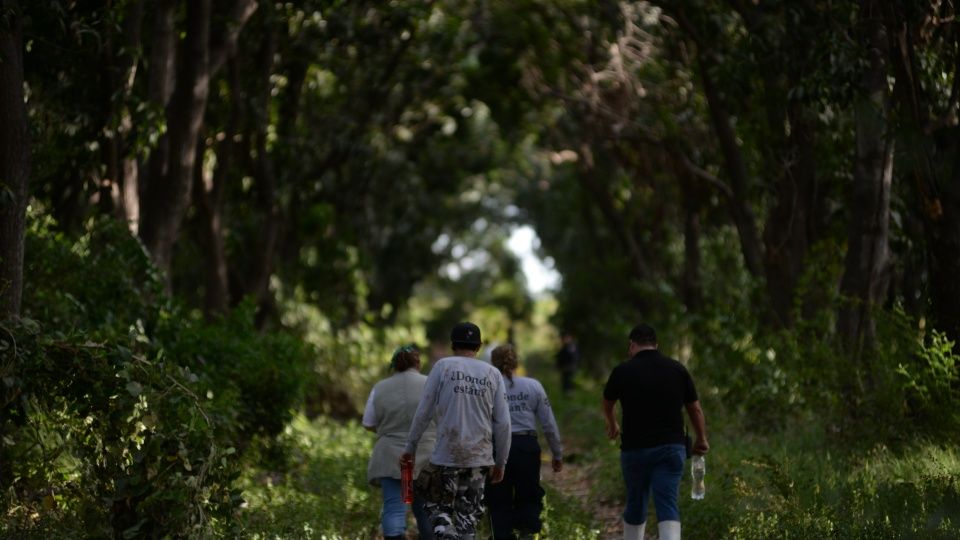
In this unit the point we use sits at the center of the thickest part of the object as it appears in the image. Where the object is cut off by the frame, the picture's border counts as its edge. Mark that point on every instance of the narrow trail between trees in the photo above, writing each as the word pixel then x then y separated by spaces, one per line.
pixel 575 481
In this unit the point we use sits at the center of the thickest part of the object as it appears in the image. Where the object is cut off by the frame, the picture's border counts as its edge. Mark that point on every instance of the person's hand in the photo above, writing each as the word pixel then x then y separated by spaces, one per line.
pixel 406 459
pixel 613 430
pixel 557 465
pixel 496 475
pixel 701 447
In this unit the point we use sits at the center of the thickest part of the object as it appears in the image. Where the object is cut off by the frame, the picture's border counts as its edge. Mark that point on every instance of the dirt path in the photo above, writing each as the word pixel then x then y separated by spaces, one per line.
pixel 575 482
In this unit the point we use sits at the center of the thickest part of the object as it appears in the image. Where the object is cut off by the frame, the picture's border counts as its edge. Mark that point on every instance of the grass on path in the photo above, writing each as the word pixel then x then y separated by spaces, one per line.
pixel 797 483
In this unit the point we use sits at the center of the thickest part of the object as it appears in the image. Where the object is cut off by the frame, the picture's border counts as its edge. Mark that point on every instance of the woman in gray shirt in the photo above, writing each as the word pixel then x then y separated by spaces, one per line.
pixel 516 503
pixel 389 412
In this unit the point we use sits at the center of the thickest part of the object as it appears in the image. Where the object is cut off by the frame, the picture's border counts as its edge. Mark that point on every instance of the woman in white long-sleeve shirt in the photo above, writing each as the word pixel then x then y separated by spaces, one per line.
pixel 389 412
pixel 516 503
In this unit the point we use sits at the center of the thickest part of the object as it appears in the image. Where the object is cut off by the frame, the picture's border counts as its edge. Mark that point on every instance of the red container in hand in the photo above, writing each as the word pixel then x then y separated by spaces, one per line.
pixel 406 482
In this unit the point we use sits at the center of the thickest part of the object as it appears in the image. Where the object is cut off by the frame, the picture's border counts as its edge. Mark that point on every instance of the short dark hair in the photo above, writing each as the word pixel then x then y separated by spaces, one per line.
pixel 464 346
pixel 643 334
pixel 405 357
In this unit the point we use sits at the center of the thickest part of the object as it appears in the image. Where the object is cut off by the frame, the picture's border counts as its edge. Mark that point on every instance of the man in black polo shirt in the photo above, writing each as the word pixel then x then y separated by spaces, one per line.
pixel 652 390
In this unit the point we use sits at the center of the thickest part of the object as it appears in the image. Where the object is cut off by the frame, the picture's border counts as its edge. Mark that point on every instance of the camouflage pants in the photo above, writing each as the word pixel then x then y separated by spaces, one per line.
pixel 453 499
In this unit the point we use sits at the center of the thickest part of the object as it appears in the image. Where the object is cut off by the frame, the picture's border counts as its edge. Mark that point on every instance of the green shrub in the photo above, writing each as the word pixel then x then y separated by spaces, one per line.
pixel 931 382
pixel 123 413
pixel 324 494
pixel 758 489
pixel 101 283
pixel 99 438
pixel 263 374
pixel 564 517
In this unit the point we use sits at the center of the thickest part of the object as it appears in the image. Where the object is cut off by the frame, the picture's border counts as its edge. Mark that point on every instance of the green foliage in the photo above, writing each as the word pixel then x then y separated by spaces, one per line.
pixel 798 482
pixel 99 436
pixel 565 517
pixel 385 141
pixel 324 494
pixel 262 375
pixel 749 370
pixel 931 380
pixel 122 414
pixel 100 282
pixel 788 493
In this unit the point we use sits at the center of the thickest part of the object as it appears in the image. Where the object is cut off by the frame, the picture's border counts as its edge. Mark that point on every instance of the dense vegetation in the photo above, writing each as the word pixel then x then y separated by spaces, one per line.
pixel 217 216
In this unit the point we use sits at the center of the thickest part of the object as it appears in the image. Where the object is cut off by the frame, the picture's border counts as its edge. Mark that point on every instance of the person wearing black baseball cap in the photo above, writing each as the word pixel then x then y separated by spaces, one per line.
pixel 465 336
pixel 652 390
pixel 467 398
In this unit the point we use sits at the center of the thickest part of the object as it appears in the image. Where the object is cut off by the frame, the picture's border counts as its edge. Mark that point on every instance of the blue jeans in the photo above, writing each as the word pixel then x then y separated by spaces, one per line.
pixel 656 469
pixel 393 516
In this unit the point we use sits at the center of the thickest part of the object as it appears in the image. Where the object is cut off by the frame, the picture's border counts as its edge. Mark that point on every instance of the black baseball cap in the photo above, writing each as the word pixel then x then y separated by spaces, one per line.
pixel 465 333
pixel 643 334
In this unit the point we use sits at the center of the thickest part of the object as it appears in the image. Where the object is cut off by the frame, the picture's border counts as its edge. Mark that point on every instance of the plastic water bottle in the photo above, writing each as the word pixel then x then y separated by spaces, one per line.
pixel 406 482
pixel 698 469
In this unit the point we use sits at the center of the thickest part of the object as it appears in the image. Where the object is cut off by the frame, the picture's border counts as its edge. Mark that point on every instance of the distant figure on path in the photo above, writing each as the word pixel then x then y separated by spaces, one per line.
pixel 568 357
pixel 652 389
pixel 466 396
pixel 389 413
pixel 516 503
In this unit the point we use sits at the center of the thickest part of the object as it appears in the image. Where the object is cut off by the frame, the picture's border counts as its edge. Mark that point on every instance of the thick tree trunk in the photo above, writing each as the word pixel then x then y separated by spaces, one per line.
pixel 14 177
pixel 166 198
pixel 119 184
pixel 866 267
pixel 268 185
pixel 162 67
pixel 14 160
pixel 270 230
pixel 787 230
pixel 163 53
pixel 208 197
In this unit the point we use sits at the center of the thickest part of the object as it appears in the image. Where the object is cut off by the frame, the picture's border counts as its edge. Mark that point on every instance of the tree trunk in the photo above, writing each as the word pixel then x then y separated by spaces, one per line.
pixel 787 230
pixel 943 239
pixel 866 267
pixel 162 66
pixel 14 177
pixel 120 181
pixel 166 198
pixel 691 285
pixel 208 197
pixel 736 167
pixel 934 167
pixel 167 195
pixel 14 160
pixel 268 185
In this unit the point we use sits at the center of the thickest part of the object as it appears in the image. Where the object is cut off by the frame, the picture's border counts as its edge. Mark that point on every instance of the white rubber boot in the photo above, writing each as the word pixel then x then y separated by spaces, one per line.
pixel 669 530
pixel 633 532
